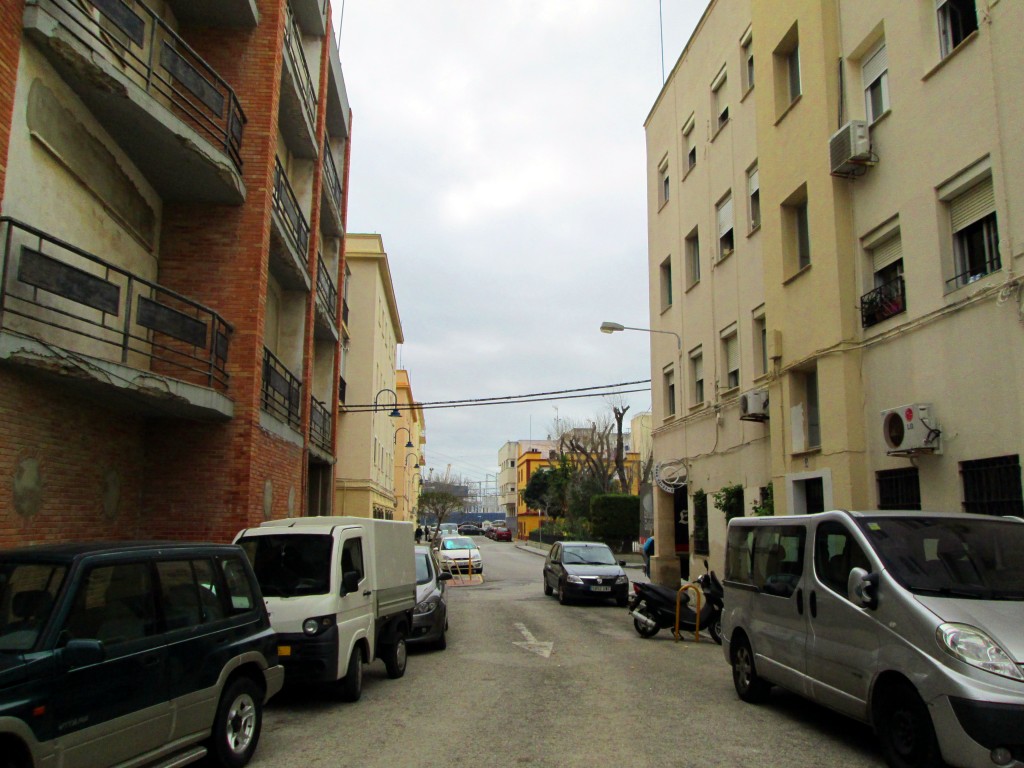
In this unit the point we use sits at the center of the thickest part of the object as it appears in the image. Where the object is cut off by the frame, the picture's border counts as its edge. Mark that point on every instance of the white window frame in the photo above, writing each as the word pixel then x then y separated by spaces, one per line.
pixel 730 356
pixel 726 232
pixel 690 147
pixel 944 19
pixel 665 272
pixel 697 375
pixel 668 375
pixel 747 56
pixel 875 73
pixel 753 198
pixel 720 107
pixel 691 245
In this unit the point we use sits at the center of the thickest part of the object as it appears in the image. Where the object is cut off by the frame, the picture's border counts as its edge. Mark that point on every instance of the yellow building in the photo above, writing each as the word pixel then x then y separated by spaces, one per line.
pixel 410 437
pixel 365 479
pixel 878 307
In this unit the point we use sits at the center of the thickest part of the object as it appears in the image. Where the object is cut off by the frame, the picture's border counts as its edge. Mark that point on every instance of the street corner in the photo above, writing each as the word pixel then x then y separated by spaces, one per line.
pixel 466 580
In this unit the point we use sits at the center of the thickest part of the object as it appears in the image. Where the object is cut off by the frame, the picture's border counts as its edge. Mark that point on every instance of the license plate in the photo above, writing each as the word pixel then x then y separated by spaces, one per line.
pixel 284 650
pixel 600 589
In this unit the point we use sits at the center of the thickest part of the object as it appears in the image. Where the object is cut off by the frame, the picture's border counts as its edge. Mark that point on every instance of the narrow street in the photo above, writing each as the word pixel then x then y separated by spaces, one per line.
pixel 526 681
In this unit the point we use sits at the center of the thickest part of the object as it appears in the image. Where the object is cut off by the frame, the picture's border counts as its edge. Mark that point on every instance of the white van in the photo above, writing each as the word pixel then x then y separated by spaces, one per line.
pixel 340 592
pixel 910 621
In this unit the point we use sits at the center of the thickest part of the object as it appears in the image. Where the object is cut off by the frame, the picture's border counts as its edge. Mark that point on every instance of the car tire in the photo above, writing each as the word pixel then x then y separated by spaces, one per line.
pixel 442 642
pixel 395 658
pixel 236 728
pixel 563 598
pixel 350 687
pixel 749 686
pixel 905 729
pixel 547 589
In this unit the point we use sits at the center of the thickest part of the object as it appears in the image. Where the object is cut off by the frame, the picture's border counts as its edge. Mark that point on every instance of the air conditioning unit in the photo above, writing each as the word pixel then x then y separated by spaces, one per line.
pixel 911 430
pixel 850 148
pixel 754 405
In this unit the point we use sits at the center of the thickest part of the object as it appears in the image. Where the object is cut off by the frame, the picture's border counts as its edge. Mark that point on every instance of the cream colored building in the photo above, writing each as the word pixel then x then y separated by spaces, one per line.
pixel 410 437
pixel 891 252
pixel 365 484
pixel 508 489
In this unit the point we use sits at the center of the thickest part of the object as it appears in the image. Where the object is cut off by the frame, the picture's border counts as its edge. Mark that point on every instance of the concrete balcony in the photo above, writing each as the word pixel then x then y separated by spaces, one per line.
pixel 241 14
pixel 330 198
pixel 320 426
pixel 289 236
pixel 326 326
pixel 177 119
pixel 281 394
pixel 311 16
pixel 72 317
pixel 338 113
pixel 297 115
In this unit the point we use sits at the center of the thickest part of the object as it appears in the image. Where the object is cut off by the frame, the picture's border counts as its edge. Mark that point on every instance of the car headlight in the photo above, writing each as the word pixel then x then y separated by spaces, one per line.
pixel 447 557
pixel 974 647
pixel 427 606
pixel 622 580
pixel 573 579
pixel 315 626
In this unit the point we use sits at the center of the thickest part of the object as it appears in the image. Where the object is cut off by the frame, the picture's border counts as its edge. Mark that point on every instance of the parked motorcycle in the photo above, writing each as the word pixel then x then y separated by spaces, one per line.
pixel 653 607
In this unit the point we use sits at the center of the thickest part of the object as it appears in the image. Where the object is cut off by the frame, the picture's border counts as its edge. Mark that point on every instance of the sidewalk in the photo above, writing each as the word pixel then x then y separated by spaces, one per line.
pixel 537 548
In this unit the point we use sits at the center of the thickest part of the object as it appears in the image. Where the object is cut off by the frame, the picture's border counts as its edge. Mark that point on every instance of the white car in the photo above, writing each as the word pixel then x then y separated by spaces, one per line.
pixel 459 553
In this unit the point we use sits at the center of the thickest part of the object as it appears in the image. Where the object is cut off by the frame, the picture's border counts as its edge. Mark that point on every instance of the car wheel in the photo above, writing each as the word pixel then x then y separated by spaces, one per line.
pixel 395 658
pixel 644 630
pixel 749 686
pixel 236 729
pixel 905 729
pixel 350 687
pixel 547 588
pixel 563 599
pixel 442 641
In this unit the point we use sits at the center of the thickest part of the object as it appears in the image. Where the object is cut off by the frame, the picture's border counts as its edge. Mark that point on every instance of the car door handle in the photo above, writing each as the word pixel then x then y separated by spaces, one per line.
pixel 367 593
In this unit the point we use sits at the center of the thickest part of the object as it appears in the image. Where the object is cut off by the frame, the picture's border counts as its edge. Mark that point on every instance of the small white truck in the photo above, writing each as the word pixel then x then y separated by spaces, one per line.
pixel 340 592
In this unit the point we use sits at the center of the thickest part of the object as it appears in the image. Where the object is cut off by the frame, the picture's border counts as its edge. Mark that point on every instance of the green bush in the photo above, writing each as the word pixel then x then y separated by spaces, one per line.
pixel 730 500
pixel 615 519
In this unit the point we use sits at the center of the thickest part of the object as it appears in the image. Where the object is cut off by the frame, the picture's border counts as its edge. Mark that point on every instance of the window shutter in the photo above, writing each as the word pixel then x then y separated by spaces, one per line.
pixel 752 182
pixel 698 367
pixel 976 203
pixel 725 217
pixel 732 354
pixel 887 253
pixel 875 65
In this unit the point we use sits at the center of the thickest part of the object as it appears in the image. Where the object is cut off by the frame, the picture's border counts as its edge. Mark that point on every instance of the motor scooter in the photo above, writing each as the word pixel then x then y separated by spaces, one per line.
pixel 653 607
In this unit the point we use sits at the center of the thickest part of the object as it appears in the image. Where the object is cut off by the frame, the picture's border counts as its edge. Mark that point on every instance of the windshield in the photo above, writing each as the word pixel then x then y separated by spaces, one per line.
pixel 952 557
pixel 289 565
pixel 594 554
pixel 458 542
pixel 27 593
pixel 424 573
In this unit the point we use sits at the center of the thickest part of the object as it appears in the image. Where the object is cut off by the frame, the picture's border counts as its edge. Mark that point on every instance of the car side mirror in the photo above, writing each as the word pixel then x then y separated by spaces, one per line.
pixel 444 576
pixel 349 582
pixel 83 653
pixel 862 588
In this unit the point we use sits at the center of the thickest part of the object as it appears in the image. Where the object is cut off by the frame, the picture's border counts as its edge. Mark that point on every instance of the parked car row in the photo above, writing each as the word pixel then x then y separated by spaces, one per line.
pixel 161 653
pixel 498 533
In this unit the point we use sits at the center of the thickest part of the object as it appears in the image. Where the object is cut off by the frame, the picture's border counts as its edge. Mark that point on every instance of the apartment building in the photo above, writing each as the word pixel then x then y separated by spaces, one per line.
pixel 410 437
pixel 173 179
pixel 888 191
pixel 508 487
pixel 368 423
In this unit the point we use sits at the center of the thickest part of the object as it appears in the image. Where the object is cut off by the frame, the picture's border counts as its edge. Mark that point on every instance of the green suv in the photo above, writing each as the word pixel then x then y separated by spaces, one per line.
pixel 152 653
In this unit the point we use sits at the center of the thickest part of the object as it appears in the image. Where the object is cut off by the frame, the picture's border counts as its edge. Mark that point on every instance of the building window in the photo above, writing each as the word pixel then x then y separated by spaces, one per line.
pixel 898 489
pixel 993 486
pixel 975 234
pixel 786 59
pixel 719 104
pixel 747 57
pixel 875 78
pixel 796 231
pixel 754 198
pixel 666 283
pixel 664 185
pixel 692 247
pixel 813 411
pixel 793 68
pixel 723 212
pixel 669 378
pixel 697 375
pixel 731 358
pixel 761 344
pixel 957 19
pixel 888 297
pixel 689 147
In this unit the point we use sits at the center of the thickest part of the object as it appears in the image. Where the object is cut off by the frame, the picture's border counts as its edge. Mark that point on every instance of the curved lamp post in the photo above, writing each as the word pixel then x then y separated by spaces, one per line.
pixel 394 409
pixel 608 327
pixel 409 442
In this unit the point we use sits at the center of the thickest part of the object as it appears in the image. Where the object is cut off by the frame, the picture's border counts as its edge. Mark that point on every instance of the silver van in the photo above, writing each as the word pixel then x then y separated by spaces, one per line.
pixel 912 622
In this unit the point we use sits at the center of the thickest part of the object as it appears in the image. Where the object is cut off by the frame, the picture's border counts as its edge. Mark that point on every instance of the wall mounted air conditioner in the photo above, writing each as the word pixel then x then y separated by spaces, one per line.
pixel 911 430
pixel 850 148
pixel 754 405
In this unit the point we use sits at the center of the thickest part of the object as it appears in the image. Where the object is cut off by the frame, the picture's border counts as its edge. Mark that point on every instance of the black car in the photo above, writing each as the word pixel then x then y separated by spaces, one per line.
pixel 585 570
pixel 469 529
pixel 145 653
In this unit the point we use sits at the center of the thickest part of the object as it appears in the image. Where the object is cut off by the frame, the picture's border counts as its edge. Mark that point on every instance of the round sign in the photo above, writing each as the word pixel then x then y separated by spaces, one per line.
pixel 670 475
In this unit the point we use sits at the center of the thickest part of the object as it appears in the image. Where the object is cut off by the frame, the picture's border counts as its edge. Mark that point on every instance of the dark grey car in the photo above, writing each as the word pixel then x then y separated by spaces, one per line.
pixel 430 616
pixel 585 570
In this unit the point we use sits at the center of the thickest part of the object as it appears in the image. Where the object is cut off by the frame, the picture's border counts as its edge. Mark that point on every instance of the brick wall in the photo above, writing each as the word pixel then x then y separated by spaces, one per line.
pixel 10 50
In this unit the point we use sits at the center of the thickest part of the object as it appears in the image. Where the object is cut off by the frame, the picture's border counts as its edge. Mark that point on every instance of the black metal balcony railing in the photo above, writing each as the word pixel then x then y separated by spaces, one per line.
pixel 320 425
pixel 883 302
pixel 331 180
pixel 63 294
pixel 159 61
pixel 282 392
pixel 325 290
pixel 288 207
pixel 341 389
pixel 293 49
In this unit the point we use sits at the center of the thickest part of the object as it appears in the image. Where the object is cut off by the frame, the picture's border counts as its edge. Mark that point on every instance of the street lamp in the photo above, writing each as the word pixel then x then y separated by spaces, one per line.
pixel 608 327
pixel 409 443
pixel 417 464
pixel 394 410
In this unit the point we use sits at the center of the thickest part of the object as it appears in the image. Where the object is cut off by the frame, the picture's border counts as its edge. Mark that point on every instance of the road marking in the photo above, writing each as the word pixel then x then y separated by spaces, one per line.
pixel 531 643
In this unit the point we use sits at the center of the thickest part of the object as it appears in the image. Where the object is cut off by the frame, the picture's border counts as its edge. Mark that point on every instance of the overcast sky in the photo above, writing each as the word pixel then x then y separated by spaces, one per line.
pixel 498 149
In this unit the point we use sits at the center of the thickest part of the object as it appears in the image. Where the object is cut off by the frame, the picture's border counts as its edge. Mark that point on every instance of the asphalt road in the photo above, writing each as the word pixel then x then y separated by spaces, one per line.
pixel 526 681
